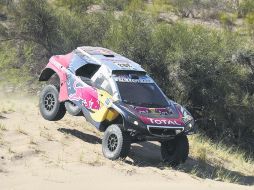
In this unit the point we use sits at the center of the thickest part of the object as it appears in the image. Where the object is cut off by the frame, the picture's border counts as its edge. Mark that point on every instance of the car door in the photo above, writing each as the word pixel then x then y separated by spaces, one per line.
pixel 80 89
pixel 104 89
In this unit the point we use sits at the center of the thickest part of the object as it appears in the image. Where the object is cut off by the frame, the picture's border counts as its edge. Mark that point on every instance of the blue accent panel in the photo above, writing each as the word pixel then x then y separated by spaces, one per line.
pixel 76 63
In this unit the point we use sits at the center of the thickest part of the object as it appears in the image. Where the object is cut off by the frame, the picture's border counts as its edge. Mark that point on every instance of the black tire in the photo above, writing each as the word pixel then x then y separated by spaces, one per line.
pixel 50 107
pixel 175 151
pixel 115 143
pixel 72 109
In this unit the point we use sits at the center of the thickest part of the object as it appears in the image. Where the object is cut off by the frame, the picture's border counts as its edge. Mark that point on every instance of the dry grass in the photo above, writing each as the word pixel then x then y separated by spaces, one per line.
pixel 81 156
pixel 47 135
pixel 32 141
pixel 21 131
pixel 220 154
pixel 97 161
pixel 7 107
pixel 10 150
pixel 217 161
pixel 1 141
pixel 2 127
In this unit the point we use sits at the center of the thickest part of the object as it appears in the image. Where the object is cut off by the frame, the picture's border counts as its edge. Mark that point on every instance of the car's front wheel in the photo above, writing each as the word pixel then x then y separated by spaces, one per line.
pixel 175 151
pixel 50 107
pixel 115 143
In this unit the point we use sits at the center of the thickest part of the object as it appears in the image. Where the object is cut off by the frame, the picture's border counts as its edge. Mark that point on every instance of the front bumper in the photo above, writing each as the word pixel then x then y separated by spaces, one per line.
pixel 156 132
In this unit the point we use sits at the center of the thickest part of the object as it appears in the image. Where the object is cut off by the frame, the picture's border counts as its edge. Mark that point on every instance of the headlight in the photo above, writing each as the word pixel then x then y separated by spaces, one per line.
pixel 191 124
pixel 133 120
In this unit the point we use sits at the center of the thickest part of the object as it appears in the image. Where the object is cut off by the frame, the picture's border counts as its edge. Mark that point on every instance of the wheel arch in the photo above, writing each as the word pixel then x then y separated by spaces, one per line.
pixel 119 120
pixel 46 74
pixel 51 71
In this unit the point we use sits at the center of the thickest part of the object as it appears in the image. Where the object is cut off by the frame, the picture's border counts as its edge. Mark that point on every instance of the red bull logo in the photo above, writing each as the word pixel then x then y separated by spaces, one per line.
pixel 87 95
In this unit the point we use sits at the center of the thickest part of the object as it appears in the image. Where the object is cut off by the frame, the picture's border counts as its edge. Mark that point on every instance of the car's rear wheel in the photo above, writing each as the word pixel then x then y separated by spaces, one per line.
pixel 175 151
pixel 50 107
pixel 115 143
pixel 72 109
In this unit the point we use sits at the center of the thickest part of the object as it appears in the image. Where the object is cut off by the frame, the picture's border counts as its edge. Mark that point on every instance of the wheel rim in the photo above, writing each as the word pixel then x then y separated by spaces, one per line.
pixel 49 102
pixel 112 142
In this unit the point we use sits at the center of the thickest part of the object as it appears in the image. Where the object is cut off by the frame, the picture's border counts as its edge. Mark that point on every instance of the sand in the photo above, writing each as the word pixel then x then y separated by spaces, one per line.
pixel 38 154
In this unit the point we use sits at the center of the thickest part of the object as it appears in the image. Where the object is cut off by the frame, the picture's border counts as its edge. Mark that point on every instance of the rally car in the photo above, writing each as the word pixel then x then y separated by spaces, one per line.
pixel 119 98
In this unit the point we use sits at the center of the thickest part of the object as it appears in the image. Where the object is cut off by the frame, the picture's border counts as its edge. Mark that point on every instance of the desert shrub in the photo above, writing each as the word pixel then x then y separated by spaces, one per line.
pixel 204 9
pixel 245 7
pixel 194 66
pixel 35 22
pixel 203 77
pixel 115 4
pixel 43 31
pixel 130 35
pixel 250 23
pixel 82 30
pixel 228 20
pixel 77 6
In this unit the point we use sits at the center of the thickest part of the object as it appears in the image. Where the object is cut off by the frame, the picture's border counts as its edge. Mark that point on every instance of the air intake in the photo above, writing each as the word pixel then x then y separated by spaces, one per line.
pixel 108 55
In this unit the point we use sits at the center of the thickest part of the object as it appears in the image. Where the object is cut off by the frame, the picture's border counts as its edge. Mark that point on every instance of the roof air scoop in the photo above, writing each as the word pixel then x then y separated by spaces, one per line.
pixel 108 55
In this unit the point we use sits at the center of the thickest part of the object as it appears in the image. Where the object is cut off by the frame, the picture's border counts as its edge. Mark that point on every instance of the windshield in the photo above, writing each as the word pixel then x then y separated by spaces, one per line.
pixel 142 94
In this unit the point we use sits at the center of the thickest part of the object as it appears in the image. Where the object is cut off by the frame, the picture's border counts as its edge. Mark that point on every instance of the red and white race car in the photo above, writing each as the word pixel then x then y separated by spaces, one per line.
pixel 119 98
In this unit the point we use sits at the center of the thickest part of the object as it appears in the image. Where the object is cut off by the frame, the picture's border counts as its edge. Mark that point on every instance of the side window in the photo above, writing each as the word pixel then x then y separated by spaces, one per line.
pixel 87 70
pixel 103 83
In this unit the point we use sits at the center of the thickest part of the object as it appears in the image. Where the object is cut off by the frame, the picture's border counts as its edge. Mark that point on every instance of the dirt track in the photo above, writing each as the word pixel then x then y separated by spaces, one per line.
pixel 37 154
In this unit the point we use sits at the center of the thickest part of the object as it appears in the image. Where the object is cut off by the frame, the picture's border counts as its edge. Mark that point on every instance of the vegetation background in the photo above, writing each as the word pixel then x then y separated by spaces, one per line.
pixel 200 52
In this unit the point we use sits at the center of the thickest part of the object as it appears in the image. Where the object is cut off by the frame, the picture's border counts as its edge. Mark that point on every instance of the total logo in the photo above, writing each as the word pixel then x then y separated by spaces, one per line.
pixel 163 121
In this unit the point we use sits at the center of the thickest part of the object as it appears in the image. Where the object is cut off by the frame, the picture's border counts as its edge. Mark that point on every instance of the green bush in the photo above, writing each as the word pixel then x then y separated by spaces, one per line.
pixel 88 29
pixel 194 66
pixel 228 20
pixel 77 6
pixel 36 22
pixel 130 36
pixel 115 4
pixel 246 7
pixel 250 23
pixel 203 77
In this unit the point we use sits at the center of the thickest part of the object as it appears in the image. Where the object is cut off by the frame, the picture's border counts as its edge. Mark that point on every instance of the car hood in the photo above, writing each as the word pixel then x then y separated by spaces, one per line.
pixel 169 116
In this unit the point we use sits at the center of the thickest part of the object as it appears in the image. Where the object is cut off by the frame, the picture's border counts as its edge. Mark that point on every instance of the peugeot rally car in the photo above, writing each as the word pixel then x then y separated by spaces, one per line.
pixel 119 98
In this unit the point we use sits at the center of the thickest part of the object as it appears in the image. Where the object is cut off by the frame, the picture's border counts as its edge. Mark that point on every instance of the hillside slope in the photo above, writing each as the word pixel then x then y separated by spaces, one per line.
pixel 35 153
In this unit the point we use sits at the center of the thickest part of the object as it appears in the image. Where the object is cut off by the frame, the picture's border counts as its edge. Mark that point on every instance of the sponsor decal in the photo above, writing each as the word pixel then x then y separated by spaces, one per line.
pixel 163 121
pixel 87 95
pixel 155 111
pixel 124 65
pixel 127 79
pixel 164 112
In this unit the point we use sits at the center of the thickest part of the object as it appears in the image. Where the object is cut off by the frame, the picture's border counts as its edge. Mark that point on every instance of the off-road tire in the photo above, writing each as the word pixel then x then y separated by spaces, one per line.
pixel 72 109
pixel 175 151
pixel 50 107
pixel 122 148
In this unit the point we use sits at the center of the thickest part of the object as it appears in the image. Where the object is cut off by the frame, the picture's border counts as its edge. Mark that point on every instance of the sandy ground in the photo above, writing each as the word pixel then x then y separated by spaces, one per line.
pixel 38 154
